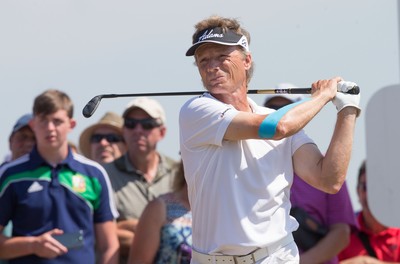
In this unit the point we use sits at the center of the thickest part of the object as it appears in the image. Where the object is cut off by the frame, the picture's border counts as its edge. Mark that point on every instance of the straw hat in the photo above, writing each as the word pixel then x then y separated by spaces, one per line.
pixel 109 119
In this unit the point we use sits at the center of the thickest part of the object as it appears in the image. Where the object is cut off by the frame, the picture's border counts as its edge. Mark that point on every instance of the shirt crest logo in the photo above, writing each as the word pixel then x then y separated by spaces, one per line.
pixel 78 184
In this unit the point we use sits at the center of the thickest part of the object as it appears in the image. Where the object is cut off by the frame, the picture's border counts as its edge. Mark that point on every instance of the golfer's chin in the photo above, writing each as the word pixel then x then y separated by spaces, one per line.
pixel 216 89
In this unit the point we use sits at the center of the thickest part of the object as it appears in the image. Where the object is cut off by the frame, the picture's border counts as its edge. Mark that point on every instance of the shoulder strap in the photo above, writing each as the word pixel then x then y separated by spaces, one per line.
pixel 365 240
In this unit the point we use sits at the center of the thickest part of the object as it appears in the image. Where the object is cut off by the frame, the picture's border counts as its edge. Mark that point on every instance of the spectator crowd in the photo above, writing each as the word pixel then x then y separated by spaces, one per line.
pixel 115 198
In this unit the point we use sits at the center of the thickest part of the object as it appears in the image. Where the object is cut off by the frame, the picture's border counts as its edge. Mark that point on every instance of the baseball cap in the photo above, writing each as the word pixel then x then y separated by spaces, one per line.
pixel 291 97
pixel 150 106
pixel 110 119
pixel 220 36
pixel 23 121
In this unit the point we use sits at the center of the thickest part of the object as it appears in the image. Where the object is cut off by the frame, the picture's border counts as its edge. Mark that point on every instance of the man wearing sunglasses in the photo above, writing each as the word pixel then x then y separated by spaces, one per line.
pixel 103 141
pixel 142 173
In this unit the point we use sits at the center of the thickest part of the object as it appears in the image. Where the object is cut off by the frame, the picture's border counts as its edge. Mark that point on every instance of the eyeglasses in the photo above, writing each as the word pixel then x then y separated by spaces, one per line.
pixel 111 138
pixel 147 124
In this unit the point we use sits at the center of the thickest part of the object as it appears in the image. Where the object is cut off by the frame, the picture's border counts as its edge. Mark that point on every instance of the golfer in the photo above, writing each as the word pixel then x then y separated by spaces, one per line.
pixel 239 158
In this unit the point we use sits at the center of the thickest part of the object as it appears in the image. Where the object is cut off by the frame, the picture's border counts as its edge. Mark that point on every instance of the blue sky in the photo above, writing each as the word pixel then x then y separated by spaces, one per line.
pixel 86 48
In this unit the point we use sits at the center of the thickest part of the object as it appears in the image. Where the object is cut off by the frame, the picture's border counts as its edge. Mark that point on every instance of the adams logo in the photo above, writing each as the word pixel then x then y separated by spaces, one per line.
pixel 208 35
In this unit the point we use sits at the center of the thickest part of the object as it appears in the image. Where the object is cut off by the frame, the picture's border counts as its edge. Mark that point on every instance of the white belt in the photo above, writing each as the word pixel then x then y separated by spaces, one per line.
pixel 250 258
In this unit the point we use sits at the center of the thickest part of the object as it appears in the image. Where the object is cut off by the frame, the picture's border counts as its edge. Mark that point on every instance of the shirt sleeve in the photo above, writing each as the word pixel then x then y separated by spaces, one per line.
pixel 340 209
pixel 299 139
pixel 6 202
pixel 6 205
pixel 106 210
pixel 203 121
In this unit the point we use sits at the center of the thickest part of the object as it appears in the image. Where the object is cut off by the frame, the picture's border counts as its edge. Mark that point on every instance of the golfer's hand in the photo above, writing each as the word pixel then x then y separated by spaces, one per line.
pixel 46 246
pixel 342 99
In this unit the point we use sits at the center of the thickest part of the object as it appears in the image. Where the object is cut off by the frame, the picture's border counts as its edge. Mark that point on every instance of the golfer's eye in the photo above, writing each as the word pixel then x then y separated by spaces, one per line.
pixel 223 58
pixel 203 62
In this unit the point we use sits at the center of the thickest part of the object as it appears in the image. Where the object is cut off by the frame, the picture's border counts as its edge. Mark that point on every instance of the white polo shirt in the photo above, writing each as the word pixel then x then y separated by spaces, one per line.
pixel 238 190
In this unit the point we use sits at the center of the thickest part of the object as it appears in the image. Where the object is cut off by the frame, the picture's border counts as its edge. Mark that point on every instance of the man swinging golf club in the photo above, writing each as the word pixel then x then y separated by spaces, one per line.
pixel 239 158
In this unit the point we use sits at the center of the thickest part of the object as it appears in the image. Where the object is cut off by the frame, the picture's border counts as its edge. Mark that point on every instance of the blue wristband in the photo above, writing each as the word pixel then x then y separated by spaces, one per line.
pixel 268 126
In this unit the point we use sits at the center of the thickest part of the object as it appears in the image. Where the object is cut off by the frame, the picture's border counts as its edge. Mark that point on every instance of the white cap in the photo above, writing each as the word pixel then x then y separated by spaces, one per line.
pixel 150 106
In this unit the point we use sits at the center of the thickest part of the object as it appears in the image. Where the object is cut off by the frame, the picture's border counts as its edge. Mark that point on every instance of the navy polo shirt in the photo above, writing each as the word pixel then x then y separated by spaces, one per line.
pixel 72 196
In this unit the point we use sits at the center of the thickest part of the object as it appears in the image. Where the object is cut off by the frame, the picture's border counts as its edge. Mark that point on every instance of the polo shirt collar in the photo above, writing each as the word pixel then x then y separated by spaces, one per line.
pixel 37 160
pixel 161 169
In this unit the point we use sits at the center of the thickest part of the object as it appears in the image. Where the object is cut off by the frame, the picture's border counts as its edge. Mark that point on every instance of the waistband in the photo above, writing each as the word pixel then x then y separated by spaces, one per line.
pixel 250 258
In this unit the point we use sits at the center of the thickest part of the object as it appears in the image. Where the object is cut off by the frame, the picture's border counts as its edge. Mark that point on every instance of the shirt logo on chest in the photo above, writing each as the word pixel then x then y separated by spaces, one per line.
pixel 78 184
pixel 35 187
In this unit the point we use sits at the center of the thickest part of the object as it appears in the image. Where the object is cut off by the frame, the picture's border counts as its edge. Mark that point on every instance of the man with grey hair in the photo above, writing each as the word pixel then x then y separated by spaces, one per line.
pixel 239 158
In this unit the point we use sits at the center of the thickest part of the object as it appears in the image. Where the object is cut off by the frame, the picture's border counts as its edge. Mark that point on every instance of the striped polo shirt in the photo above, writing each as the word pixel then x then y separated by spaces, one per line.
pixel 72 196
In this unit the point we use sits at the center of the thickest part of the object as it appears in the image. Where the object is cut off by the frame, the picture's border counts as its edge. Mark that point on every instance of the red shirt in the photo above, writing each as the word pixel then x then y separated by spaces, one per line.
pixel 386 244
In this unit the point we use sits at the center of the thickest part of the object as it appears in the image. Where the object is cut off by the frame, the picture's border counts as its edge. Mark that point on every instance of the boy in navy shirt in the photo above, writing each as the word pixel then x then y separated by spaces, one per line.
pixel 53 192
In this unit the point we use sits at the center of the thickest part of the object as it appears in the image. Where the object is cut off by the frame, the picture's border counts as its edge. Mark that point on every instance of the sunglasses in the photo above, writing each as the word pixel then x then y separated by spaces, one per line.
pixel 147 124
pixel 111 138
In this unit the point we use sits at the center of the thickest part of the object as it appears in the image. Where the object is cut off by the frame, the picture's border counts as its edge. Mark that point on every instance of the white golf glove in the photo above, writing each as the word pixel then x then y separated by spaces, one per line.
pixel 343 99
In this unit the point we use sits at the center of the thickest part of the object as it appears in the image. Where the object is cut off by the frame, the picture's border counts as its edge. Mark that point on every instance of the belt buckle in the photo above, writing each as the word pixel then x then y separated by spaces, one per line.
pixel 253 257
pixel 248 259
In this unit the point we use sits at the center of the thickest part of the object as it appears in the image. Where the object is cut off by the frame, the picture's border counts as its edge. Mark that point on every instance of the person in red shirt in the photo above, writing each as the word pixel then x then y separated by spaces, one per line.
pixel 381 243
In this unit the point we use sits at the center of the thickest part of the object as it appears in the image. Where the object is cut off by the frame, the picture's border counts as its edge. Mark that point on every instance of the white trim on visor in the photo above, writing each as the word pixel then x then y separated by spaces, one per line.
pixel 218 36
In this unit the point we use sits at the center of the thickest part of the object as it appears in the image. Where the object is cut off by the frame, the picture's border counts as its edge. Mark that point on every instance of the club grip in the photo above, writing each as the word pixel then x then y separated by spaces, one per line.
pixel 354 90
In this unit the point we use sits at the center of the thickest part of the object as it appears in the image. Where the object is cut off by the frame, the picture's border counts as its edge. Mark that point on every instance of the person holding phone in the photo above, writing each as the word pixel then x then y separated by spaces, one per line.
pixel 60 203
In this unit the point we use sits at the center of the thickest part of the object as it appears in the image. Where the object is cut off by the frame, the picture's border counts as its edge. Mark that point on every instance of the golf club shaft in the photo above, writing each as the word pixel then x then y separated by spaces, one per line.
pixel 92 105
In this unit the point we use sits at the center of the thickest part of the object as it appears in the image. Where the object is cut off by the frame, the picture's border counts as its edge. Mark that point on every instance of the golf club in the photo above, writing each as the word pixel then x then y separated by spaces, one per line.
pixel 92 105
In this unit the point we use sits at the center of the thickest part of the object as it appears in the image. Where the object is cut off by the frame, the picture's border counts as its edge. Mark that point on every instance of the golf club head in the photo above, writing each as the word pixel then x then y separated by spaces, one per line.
pixel 91 106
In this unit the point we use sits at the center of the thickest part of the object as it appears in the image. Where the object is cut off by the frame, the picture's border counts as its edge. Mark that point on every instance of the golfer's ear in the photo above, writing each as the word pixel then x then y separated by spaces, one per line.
pixel 247 61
